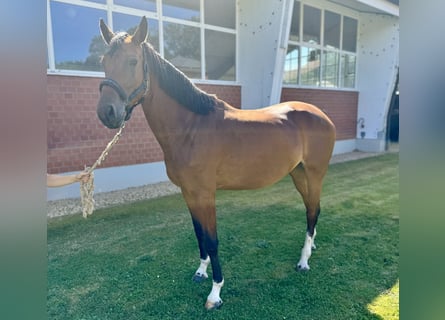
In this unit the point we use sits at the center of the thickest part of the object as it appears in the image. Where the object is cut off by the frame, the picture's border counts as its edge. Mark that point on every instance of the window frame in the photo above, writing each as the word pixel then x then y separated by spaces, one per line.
pixel 109 7
pixel 322 47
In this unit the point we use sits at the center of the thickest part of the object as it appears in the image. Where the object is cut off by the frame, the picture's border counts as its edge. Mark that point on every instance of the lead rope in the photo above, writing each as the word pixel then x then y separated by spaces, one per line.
pixel 87 188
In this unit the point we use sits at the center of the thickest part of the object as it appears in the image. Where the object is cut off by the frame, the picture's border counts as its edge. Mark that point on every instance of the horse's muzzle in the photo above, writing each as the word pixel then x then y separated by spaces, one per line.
pixel 111 109
pixel 111 115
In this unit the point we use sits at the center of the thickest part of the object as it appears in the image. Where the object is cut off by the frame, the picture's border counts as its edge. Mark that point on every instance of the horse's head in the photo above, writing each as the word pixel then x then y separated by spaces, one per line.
pixel 126 78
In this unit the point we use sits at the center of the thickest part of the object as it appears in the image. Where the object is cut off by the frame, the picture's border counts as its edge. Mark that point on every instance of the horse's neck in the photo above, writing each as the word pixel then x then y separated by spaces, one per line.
pixel 168 120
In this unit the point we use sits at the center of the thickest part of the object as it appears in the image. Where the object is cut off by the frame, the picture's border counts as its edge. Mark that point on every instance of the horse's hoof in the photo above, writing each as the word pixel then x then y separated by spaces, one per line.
pixel 302 267
pixel 213 305
pixel 199 277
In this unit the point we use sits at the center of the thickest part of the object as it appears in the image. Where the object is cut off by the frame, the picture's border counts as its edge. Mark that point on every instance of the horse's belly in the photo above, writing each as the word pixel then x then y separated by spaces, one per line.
pixel 253 175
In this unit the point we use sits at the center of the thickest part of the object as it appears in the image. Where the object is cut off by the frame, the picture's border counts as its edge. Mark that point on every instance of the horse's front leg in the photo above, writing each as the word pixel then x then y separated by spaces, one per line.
pixel 203 211
pixel 201 273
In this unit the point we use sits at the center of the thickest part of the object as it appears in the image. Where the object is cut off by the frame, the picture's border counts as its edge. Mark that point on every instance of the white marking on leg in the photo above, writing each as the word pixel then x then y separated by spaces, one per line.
pixel 202 270
pixel 213 300
pixel 305 253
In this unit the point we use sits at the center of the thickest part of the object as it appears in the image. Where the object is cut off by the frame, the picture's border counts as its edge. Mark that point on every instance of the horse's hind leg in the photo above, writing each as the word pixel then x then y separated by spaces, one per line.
pixel 300 181
pixel 308 181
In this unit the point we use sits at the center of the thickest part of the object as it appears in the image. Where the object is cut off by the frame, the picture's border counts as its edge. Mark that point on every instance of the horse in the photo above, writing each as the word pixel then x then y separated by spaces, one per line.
pixel 210 145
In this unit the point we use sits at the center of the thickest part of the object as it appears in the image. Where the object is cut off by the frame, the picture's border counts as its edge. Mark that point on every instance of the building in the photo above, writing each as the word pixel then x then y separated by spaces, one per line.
pixel 341 55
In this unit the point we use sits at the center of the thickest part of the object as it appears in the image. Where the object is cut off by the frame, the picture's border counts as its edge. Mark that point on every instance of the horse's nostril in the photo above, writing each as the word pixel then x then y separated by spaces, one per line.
pixel 110 112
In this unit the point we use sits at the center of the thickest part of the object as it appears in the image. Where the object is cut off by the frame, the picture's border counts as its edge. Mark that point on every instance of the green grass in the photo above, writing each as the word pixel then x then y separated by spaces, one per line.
pixel 136 261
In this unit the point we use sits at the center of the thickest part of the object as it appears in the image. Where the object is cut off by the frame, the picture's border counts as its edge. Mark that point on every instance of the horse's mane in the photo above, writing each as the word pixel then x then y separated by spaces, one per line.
pixel 177 85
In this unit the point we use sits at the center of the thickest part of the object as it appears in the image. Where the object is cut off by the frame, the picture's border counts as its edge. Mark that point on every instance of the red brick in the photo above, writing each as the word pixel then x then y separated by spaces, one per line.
pixel 76 137
pixel 340 106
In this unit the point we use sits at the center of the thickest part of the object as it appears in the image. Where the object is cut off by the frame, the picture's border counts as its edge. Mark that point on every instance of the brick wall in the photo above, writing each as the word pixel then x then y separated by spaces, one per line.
pixel 340 106
pixel 76 137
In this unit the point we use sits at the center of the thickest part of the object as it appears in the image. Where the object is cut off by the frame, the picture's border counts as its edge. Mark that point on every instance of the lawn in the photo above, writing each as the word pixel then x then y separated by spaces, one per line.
pixel 136 261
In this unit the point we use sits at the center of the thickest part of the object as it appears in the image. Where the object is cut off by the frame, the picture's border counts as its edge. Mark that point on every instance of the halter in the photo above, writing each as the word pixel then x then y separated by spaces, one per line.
pixel 129 106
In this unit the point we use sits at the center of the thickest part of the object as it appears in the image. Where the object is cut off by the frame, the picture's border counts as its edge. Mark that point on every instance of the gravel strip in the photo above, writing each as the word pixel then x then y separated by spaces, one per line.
pixel 63 207
pixel 57 208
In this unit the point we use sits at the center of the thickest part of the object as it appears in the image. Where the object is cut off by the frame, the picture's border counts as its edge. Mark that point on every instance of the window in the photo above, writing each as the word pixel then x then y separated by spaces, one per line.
pixel 295 23
pixel 311 24
pixel 185 10
pixel 77 41
pixel 332 30
pixel 310 66
pixel 331 65
pixel 182 47
pixel 128 23
pixel 220 13
pixel 349 34
pixel 291 67
pixel 149 5
pixel 198 37
pixel 321 50
pixel 348 70
pixel 220 55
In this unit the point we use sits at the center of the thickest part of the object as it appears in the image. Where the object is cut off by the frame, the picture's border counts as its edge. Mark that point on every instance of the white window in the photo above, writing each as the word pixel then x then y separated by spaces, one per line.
pixel 198 37
pixel 322 48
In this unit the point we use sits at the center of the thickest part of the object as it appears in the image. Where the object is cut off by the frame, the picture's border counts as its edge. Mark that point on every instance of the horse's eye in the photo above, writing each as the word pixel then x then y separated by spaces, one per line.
pixel 133 62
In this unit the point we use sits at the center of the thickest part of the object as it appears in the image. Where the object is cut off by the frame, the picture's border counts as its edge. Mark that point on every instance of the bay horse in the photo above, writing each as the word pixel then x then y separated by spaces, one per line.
pixel 210 145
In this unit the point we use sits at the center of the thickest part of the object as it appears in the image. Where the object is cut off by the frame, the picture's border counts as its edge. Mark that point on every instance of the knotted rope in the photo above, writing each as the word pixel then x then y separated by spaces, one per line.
pixel 87 188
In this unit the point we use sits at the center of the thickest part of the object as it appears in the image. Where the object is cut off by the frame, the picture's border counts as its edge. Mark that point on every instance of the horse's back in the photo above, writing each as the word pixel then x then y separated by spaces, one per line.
pixel 277 113
pixel 293 117
pixel 301 110
pixel 258 147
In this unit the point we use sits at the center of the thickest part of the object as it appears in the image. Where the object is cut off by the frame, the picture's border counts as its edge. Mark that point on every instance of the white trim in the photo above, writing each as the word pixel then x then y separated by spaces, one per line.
pixel 295 86
pixel 220 29
pixel 49 38
pixel 344 146
pixel 133 11
pixel 76 73
pixel 203 40
pixel 110 14
pixel 183 22
pixel 160 27
pixel 237 58
pixel 382 5
pixel 332 6
pixel 216 82
pixel 83 3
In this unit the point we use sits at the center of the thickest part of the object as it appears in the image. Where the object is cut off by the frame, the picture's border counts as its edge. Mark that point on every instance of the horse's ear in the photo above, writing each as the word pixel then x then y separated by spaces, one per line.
pixel 140 34
pixel 106 32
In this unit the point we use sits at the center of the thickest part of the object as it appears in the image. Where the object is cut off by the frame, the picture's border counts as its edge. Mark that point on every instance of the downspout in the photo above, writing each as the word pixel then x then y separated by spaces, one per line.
pixel 281 50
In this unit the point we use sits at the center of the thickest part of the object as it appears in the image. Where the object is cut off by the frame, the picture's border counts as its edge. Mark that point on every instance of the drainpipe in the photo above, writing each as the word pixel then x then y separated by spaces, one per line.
pixel 281 50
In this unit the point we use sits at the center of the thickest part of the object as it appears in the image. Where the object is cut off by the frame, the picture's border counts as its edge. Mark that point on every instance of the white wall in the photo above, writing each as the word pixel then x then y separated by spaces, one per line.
pixel 378 60
pixel 260 24
pixel 114 178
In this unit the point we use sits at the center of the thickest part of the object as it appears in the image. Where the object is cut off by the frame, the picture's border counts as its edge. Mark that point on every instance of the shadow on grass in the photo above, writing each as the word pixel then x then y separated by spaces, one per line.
pixel 136 261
